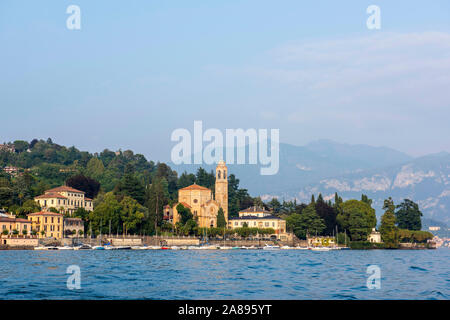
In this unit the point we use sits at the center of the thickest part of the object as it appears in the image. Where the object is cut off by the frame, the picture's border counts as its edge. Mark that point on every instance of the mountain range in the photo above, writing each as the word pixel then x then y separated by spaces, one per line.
pixel 327 167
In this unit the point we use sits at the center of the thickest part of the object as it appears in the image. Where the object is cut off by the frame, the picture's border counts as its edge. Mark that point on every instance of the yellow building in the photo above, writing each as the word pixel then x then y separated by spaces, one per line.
pixel 10 223
pixel 49 222
pixel 64 198
pixel 201 202
pixel 257 217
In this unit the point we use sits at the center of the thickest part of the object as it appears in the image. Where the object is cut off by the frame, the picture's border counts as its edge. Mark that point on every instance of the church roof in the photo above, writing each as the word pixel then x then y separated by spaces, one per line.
pixel 184 205
pixel 195 187
pixel 255 218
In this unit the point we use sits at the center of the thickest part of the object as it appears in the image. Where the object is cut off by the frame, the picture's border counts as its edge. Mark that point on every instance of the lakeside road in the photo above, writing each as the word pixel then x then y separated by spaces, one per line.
pixel 232 274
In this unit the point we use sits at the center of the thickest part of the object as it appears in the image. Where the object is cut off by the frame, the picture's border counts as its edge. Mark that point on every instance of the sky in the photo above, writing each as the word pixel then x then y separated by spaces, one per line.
pixel 138 70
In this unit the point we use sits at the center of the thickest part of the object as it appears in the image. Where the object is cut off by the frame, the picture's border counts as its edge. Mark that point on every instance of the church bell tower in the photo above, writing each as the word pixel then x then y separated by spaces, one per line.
pixel 221 192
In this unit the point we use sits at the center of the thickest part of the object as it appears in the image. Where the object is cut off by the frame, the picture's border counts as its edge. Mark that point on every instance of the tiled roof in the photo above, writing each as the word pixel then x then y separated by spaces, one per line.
pixel 3 219
pixel 64 189
pixel 255 218
pixel 50 195
pixel 195 187
pixel 255 209
pixel 45 213
pixel 184 205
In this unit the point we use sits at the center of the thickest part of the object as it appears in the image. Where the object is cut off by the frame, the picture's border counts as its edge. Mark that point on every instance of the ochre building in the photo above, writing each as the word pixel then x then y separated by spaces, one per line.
pixel 65 199
pixel 204 207
pixel 49 222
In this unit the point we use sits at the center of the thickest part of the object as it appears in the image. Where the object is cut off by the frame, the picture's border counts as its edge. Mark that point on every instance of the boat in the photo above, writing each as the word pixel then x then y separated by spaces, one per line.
pixel 52 248
pixel 123 248
pixel 40 248
pixel 165 248
pixel 225 248
pixel 138 247
pixel 65 248
pixel 321 249
pixel 286 247
pixel 98 248
pixel 83 247
pixel 269 247
pixel 301 248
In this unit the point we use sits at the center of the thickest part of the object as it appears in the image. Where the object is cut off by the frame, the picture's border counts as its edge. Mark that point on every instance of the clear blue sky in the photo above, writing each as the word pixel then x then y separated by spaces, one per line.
pixel 137 70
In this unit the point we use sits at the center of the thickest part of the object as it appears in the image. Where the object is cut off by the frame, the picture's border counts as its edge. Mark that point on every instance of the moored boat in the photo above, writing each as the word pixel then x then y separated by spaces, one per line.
pixel 270 247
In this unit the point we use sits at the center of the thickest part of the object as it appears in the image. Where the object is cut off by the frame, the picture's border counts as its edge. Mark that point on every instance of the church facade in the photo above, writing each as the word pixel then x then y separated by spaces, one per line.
pixel 204 207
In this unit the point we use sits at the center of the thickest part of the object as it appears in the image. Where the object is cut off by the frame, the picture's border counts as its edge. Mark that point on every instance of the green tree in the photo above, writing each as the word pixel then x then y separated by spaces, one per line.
pixel 308 222
pixel 327 213
pixel 358 218
pixel 388 230
pixel 132 214
pixel 185 214
pixel 90 186
pixel 408 215
pixel 221 222
pixel 130 186
pixel 275 206
pixel 108 209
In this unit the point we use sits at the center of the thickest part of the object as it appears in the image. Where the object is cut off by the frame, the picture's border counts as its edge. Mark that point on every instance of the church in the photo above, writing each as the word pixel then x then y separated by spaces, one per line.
pixel 204 207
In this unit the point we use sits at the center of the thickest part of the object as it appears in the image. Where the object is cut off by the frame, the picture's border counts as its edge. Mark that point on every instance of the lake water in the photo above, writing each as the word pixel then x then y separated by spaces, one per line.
pixel 231 274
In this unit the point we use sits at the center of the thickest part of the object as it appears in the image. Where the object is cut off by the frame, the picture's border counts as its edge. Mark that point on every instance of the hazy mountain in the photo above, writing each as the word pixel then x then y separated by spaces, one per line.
pixel 325 166
pixel 425 180
pixel 303 165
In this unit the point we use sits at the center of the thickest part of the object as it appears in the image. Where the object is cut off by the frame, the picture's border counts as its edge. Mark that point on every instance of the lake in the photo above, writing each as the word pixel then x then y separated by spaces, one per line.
pixel 230 274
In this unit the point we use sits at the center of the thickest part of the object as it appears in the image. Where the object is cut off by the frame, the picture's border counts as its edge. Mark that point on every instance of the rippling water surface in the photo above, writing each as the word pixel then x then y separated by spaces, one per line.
pixel 231 274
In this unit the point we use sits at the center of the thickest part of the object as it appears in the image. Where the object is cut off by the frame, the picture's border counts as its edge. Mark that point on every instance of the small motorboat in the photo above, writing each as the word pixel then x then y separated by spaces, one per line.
pixel 83 247
pixel 270 247
pixel 40 248
pixel 321 249
pixel 165 248
pixel 98 248
pixel 65 248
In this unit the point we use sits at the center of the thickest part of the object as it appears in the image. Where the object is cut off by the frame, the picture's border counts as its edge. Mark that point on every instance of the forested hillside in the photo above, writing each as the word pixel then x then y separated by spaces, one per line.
pixel 128 190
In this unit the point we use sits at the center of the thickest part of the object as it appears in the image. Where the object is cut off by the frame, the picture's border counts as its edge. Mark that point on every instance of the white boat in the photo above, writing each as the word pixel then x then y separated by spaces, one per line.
pixel 269 247
pixel 138 248
pixel 40 248
pixel 225 248
pixel 83 247
pixel 301 248
pixel 320 249
pixel 98 248
pixel 65 248
pixel 286 247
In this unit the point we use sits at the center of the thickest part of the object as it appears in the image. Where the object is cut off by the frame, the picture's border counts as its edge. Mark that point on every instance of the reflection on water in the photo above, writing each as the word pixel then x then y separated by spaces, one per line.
pixel 236 274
